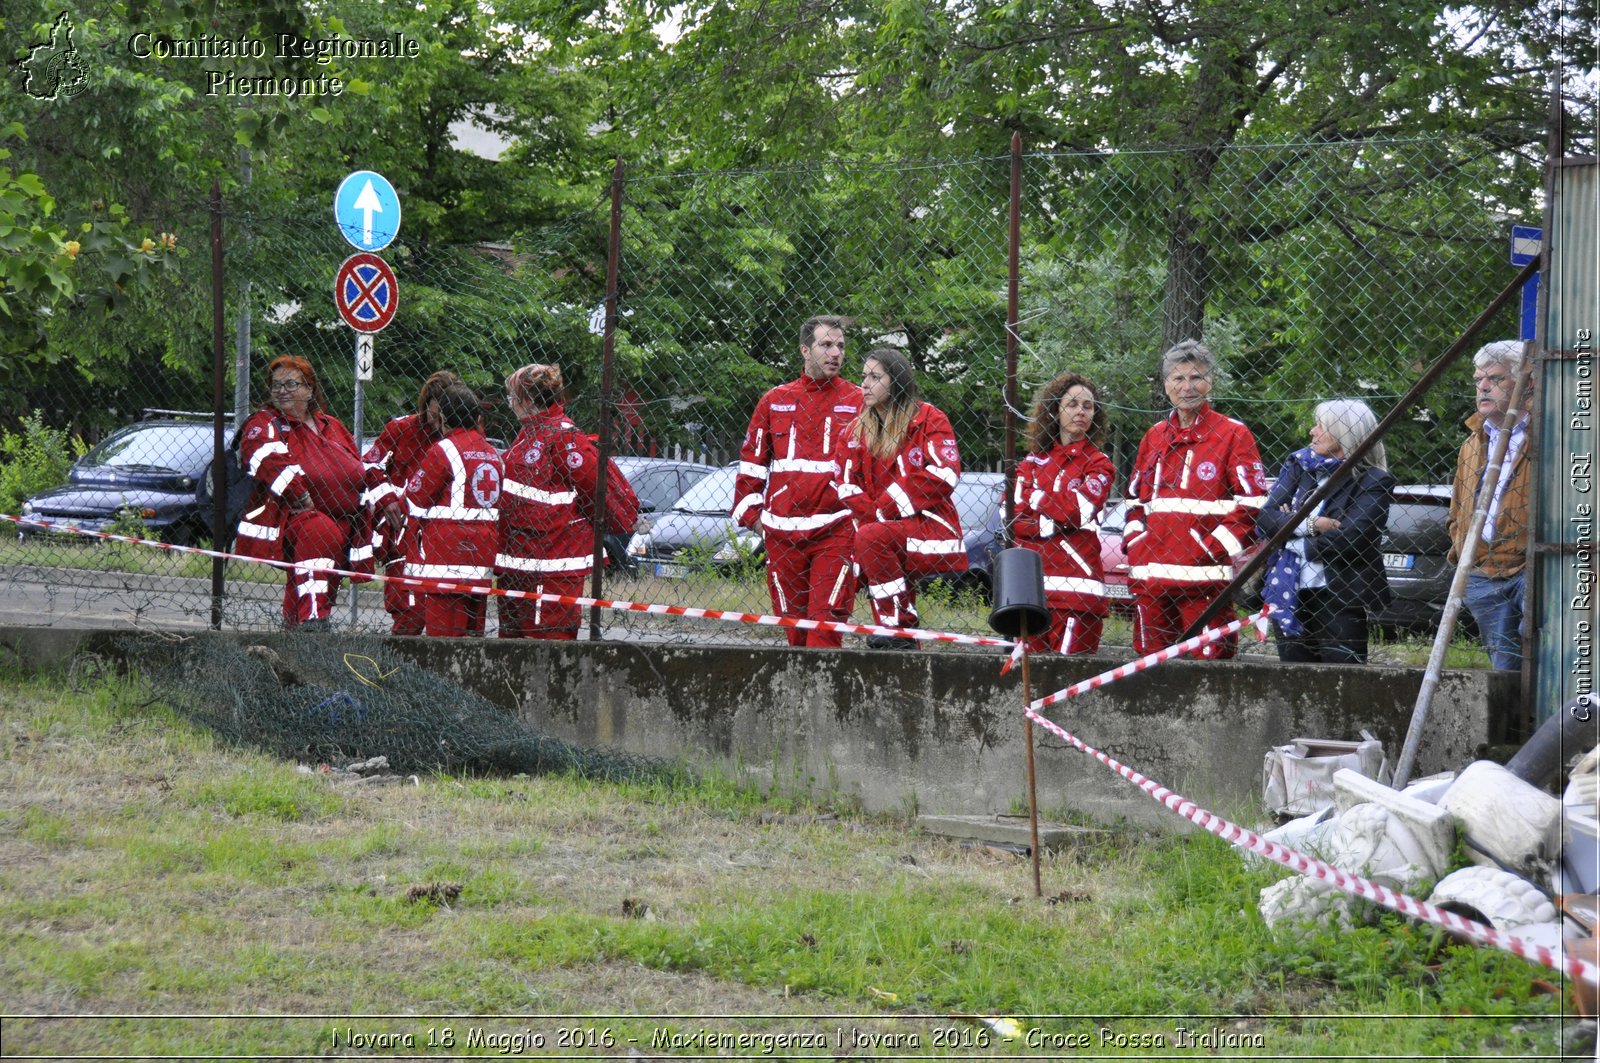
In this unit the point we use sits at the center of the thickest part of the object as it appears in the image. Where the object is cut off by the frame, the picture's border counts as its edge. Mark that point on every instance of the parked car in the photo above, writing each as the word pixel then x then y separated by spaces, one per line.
pixel 155 473
pixel 697 534
pixel 1416 547
pixel 658 482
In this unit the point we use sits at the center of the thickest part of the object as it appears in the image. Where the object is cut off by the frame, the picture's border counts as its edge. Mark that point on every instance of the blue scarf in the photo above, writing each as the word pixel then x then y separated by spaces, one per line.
pixel 1282 588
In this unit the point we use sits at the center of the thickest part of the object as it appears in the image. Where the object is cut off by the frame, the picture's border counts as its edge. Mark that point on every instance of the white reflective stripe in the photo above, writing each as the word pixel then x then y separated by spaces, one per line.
pixel 744 506
pixel 455 513
pixel 1244 478
pixel 805 465
pixel 760 435
pixel 1188 460
pixel 1183 573
pixel 827 434
pixel 1085 510
pixel 1198 507
pixel 1077 557
pixel 534 494
pixel 1229 541
pixel 777 588
pixel 838 585
pixel 264 532
pixel 284 478
pixel 374 495
pixel 361 553
pixel 849 490
pixel 311 564
pixel 1075 585
pixel 1034 499
pixel 311 587
pixel 449 571
pixel 750 468
pixel 1132 529
pixel 902 500
pixel 935 546
pixel 1066 636
pixel 945 473
pixel 265 451
pixel 1251 501
pixel 544 564
pixel 820 520
pixel 458 475
pixel 1047 527
pixel 884 590
pixel 1194 533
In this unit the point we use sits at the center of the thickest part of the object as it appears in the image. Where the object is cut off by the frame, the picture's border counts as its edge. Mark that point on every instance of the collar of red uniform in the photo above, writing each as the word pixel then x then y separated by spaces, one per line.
pixel 1203 423
pixel 811 383
pixel 550 414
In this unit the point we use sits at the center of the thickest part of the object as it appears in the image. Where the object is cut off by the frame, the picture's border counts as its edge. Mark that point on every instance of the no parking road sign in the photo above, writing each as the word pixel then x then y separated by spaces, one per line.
pixel 366 292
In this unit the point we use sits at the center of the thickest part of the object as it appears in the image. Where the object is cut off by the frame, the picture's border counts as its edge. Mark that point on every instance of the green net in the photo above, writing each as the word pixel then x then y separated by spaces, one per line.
pixel 334 700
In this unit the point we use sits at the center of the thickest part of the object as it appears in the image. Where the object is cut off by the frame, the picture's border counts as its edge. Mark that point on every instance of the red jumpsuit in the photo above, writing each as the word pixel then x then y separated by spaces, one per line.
pixel 1192 504
pixel 397 452
pixel 906 520
pixel 453 530
pixel 1059 497
pixel 546 540
pixel 290 462
pixel 788 485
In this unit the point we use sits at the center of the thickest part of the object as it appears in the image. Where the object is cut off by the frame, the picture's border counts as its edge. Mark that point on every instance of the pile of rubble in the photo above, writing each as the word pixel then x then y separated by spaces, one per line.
pixel 1533 862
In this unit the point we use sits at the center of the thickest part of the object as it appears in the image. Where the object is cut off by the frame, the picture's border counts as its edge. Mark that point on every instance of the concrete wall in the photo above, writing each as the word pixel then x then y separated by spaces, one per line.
pixel 937 732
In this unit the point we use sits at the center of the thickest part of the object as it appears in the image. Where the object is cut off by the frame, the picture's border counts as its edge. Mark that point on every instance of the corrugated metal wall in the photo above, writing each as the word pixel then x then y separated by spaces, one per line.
pixel 1563 619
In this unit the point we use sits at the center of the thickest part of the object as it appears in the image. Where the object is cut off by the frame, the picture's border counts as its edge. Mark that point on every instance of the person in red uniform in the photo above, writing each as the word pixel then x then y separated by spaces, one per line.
pixel 1060 493
pixel 787 488
pixel 306 506
pixel 546 534
pixel 453 511
pixel 1196 488
pixel 397 452
pixel 899 481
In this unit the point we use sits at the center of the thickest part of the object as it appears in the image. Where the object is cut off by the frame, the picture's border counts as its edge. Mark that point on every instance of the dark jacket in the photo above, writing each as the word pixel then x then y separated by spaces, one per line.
pixel 1351 553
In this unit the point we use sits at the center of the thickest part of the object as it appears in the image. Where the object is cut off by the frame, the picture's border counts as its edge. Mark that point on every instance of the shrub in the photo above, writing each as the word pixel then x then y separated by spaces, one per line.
pixel 33 460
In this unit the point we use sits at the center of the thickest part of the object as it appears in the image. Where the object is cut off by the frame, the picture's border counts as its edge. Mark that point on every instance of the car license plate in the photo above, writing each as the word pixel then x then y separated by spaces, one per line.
pixel 1400 561
pixel 1118 590
pixel 669 571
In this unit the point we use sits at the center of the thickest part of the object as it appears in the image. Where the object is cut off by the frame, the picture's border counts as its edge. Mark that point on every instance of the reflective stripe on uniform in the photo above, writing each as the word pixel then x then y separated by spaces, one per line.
pixel 1183 573
pixel 940 547
pixel 1198 507
pixel 544 564
pixel 1075 585
pixel 474 572
pixel 534 494
pixel 819 520
pixel 803 465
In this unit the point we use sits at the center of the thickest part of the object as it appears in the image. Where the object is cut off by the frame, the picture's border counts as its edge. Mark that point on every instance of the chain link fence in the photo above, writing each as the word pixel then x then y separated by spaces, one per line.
pixel 1312 271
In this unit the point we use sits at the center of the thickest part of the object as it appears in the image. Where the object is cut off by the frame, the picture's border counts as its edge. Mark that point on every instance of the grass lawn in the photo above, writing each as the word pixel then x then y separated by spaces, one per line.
pixel 207 901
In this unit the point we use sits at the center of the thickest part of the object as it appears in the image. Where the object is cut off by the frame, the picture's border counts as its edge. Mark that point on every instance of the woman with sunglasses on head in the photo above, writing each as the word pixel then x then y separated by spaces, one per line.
pixel 899 480
pixel 307 506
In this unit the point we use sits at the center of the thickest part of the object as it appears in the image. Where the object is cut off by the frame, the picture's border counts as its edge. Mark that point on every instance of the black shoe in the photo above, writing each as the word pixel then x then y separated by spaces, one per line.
pixel 890 642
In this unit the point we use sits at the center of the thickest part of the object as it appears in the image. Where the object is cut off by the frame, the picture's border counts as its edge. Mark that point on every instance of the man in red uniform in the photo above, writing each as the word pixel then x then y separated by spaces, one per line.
pixel 454 499
pixel 1196 487
pixel 397 452
pixel 787 488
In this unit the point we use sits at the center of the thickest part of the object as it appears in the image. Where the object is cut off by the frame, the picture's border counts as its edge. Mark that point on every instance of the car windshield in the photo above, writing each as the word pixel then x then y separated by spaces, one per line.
pixel 713 494
pixel 976 501
pixel 178 447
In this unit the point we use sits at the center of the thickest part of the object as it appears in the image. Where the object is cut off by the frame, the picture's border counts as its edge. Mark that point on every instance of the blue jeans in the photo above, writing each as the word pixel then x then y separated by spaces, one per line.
pixel 1496 605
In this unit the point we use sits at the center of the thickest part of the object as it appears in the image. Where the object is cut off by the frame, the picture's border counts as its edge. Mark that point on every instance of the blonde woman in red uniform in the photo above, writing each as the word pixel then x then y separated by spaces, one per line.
pixel 307 505
pixel 453 500
pixel 547 538
pixel 1060 494
pixel 900 471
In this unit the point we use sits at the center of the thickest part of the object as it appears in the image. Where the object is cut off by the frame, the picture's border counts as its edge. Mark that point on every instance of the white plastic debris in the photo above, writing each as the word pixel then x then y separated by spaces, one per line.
pixel 1297 779
pixel 1507 821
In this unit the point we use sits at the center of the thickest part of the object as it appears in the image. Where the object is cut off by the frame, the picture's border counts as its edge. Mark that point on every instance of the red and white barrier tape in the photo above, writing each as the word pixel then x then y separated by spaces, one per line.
pixel 1234 834
pixel 447 587
pixel 1206 637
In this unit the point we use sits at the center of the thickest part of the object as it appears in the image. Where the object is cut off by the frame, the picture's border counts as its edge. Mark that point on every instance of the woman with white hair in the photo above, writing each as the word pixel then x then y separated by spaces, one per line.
pixel 1329 576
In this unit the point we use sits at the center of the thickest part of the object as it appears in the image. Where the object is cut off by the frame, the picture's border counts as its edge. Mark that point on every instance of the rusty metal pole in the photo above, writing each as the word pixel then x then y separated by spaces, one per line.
pixel 219 453
pixel 1013 257
pixel 607 370
pixel 1033 787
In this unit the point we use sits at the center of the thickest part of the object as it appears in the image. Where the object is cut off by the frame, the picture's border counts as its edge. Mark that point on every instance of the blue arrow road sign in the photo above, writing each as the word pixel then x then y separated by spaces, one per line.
pixel 367 210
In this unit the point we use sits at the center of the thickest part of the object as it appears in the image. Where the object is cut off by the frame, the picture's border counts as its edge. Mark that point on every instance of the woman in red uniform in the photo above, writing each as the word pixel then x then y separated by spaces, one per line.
pixel 546 536
pixel 453 499
pixel 397 452
pixel 900 473
pixel 1061 490
pixel 307 504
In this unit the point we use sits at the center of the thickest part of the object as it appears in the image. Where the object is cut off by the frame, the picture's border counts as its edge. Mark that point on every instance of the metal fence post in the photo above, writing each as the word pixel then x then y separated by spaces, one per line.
pixel 219 454
pixel 607 372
